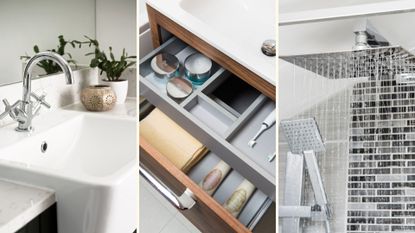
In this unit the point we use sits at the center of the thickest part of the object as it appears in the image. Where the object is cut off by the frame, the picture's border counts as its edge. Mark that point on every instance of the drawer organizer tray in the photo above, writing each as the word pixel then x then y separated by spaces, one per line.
pixel 175 47
pixel 254 208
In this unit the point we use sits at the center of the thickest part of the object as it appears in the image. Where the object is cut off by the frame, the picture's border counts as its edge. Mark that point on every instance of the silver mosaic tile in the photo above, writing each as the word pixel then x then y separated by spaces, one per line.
pixel 382 121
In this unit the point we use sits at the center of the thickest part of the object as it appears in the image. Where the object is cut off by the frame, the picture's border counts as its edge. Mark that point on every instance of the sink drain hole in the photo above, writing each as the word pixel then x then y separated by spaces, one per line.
pixel 44 147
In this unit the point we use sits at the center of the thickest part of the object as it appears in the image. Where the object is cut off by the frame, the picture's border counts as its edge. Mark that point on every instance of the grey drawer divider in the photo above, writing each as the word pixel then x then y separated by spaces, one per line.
pixel 219 73
pixel 259 101
pixel 227 107
pixel 217 106
pixel 260 213
pixel 157 50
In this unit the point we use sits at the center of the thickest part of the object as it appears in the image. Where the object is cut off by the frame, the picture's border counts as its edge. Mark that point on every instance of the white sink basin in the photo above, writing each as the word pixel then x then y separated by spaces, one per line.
pixel 235 27
pixel 90 161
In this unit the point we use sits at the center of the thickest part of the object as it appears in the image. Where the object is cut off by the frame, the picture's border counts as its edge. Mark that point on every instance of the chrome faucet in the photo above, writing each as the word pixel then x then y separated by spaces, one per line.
pixel 24 110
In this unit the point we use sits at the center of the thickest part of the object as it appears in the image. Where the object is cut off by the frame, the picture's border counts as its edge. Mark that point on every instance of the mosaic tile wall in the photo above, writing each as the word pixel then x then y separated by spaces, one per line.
pixel 381 173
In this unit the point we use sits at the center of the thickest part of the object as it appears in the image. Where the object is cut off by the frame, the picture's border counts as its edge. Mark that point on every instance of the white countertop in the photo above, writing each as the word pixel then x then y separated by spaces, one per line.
pixel 128 109
pixel 20 203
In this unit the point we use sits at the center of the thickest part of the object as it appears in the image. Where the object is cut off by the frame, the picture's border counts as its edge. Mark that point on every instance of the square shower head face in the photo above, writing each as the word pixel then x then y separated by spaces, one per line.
pixel 302 135
pixel 356 63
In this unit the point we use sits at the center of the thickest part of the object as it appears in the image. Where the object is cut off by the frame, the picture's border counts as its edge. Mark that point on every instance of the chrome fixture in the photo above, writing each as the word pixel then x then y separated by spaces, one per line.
pixel 361 40
pixel 304 140
pixel 371 55
pixel 269 48
pixel 24 110
pixel 43 147
pixel 183 202
pixel 366 36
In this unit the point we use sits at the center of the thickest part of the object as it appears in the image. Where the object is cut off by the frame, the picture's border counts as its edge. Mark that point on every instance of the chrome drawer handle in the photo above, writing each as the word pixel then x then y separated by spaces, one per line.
pixel 182 202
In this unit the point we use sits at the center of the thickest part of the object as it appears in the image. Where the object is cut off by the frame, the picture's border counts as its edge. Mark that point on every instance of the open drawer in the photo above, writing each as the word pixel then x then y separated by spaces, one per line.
pixel 203 210
pixel 223 114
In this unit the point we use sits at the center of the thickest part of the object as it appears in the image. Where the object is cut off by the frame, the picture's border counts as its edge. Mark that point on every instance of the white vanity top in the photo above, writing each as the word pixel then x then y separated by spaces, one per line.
pixel 128 109
pixel 236 28
pixel 62 153
pixel 20 203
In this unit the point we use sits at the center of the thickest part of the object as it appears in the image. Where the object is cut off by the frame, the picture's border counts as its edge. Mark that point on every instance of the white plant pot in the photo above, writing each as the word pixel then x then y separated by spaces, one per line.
pixel 120 89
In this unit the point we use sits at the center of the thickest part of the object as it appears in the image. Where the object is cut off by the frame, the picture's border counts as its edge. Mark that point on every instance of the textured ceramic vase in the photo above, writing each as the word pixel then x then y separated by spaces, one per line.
pixel 120 88
pixel 98 98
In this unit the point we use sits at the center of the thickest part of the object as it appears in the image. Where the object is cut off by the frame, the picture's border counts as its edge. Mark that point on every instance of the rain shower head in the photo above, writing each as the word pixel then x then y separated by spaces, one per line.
pixel 357 64
pixel 302 135
pixel 371 55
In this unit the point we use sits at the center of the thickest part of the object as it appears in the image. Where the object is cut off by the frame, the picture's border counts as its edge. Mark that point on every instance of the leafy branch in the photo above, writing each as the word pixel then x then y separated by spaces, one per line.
pixel 49 66
pixel 112 67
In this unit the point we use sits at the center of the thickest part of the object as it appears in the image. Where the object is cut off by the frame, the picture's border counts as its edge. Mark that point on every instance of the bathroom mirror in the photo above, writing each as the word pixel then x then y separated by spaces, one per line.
pixel 25 23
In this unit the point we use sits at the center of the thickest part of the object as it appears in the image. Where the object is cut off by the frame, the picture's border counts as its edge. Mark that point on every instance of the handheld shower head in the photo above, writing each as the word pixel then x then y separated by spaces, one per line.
pixel 302 135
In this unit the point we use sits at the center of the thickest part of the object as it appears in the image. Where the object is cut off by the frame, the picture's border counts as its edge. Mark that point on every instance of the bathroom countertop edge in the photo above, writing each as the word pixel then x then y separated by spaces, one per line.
pixel 24 202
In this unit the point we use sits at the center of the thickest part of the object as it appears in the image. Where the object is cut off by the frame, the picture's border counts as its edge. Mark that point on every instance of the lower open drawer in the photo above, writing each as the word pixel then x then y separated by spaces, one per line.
pixel 207 214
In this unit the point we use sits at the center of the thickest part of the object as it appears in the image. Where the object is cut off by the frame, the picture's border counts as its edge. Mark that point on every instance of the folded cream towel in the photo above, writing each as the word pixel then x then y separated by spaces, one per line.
pixel 181 148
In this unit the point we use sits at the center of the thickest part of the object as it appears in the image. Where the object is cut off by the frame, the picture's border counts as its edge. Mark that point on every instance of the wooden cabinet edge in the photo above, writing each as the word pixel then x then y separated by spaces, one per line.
pixel 206 206
pixel 158 20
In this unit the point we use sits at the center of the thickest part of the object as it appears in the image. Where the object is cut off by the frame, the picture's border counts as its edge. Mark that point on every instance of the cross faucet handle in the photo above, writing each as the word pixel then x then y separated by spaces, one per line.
pixel 9 109
pixel 40 99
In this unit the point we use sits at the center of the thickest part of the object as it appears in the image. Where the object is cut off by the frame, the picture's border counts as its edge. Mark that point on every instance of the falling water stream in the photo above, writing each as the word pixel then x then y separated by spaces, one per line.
pixel 368 168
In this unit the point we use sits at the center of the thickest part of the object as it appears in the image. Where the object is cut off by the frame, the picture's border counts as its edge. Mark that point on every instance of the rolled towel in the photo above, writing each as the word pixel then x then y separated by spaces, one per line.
pixel 213 179
pixel 181 148
pixel 239 198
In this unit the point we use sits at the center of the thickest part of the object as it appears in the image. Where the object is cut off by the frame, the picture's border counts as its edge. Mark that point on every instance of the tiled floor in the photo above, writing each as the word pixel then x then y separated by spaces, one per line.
pixel 159 216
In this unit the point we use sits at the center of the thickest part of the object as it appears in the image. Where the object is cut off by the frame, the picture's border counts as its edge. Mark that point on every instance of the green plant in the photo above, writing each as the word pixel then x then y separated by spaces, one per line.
pixel 49 66
pixel 112 67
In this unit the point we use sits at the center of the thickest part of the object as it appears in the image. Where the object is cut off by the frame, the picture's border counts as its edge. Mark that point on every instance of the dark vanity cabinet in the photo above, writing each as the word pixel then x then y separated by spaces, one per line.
pixel 45 222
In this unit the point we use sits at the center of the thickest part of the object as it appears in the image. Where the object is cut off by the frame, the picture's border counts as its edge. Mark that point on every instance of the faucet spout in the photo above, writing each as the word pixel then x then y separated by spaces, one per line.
pixel 27 75
pixel 26 109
